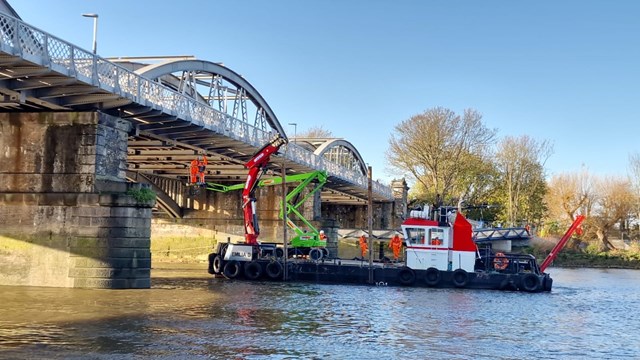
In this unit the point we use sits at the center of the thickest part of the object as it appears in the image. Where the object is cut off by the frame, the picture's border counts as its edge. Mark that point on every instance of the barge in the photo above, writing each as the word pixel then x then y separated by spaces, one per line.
pixel 439 254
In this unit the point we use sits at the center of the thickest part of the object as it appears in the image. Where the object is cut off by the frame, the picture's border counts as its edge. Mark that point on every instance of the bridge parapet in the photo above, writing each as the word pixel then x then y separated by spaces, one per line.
pixel 120 87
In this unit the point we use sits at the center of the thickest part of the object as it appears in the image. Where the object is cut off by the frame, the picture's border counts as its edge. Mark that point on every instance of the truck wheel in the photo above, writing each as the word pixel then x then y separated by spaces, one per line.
pixel 315 254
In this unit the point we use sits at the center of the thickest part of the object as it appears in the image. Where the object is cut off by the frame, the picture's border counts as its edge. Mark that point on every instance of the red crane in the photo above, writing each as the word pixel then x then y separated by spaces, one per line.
pixel 556 249
pixel 256 168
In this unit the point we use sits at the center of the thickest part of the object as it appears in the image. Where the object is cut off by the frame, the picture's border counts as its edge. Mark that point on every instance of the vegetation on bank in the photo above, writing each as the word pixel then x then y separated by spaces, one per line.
pixel 591 257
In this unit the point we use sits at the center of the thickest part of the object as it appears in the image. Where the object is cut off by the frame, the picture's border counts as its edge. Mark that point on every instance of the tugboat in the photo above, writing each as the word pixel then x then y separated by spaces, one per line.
pixel 442 251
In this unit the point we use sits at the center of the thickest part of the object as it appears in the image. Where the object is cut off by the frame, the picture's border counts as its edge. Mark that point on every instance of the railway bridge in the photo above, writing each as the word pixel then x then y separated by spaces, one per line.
pixel 81 136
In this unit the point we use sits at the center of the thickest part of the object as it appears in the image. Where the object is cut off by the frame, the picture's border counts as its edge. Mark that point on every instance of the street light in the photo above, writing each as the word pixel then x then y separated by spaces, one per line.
pixel 95 30
pixel 295 131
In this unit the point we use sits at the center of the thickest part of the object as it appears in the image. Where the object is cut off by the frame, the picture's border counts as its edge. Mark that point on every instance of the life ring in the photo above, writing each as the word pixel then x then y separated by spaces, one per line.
pixel 217 264
pixel 406 276
pixel 500 261
pixel 315 254
pixel 460 278
pixel 530 282
pixel 252 270
pixel 432 277
pixel 274 270
pixel 231 269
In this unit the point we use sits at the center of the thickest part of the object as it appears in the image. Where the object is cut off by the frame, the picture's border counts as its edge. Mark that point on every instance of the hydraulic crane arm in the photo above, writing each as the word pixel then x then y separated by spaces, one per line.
pixel 256 168
pixel 563 241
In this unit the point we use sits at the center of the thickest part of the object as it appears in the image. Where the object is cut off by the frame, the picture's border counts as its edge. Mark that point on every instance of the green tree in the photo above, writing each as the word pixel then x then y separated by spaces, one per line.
pixel 442 151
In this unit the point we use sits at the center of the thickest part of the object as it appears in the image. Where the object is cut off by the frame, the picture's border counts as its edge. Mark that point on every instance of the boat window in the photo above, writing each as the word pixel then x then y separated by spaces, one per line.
pixel 415 236
pixel 436 237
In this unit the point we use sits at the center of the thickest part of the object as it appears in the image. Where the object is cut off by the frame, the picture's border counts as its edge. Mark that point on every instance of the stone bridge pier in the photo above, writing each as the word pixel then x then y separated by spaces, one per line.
pixel 68 218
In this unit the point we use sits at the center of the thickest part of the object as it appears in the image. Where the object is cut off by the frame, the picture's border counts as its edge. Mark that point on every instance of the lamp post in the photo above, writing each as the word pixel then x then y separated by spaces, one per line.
pixel 95 30
pixel 295 131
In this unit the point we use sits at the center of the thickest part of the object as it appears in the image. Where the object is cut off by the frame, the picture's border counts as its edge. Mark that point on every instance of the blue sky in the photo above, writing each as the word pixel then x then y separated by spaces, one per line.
pixel 565 71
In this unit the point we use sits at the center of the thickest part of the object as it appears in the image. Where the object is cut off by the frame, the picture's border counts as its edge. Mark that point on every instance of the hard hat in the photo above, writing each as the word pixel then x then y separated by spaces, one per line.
pixel 321 231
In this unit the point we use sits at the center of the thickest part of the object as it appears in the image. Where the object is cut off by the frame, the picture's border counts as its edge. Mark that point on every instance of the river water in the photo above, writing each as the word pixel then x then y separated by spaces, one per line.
pixel 590 314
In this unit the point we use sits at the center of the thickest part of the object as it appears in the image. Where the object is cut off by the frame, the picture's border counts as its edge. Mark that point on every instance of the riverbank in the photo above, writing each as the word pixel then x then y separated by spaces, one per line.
pixel 570 258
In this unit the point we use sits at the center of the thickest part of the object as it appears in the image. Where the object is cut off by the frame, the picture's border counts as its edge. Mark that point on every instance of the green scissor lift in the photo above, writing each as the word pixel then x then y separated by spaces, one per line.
pixel 303 239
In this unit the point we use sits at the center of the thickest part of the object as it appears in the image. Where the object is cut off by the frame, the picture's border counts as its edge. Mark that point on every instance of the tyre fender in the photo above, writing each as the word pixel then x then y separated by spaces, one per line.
pixel 274 270
pixel 231 269
pixel 252 270
pixel 460 278
pixel 432 277
pixel 548 283
pixel 530 282
pixel 406 276
pixel 216 264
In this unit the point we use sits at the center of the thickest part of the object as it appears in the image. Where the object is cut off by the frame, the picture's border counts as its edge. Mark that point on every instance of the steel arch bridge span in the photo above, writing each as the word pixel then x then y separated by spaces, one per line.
pixel 343 153
pixel 219 87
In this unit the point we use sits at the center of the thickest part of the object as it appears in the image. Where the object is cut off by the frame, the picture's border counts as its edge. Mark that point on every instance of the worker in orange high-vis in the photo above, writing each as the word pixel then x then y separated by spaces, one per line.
pixel 197 169
pixel 363 245
pixel 396 246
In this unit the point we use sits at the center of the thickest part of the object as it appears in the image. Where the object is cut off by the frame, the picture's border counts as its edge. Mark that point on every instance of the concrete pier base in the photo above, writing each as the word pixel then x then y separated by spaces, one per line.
pixel 67 216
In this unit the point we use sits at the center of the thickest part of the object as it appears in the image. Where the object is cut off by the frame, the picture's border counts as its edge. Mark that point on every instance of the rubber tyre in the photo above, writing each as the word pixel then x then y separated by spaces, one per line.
pixel 274 270
pixel 315 254
pixel 325 253
pixel 460 278
pixel 432 277
pixel 216 264
pixel 252 270
pixel 530 283
pixel 279 253
pixel 406 276
pixel 548 283
pixel 210 267
pixel 231 269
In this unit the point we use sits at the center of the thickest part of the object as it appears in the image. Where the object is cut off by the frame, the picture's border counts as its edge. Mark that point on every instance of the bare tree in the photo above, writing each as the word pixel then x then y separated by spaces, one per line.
pixel 568 193
pixel 520 162
pixel 316 132
pixel 440 149
pixel 614 201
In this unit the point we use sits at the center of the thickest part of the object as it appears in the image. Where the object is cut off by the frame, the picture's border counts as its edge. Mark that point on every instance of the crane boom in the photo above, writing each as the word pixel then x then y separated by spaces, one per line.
pixel 256 168
pixel 556 249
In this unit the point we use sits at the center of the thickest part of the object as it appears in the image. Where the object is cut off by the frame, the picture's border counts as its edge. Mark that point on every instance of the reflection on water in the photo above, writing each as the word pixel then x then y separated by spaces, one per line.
pixel 187 314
